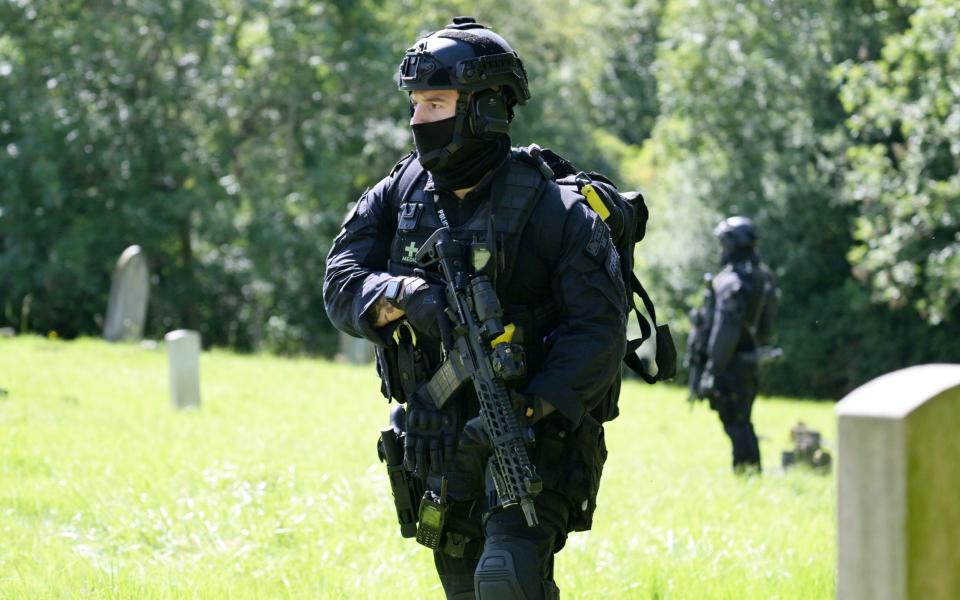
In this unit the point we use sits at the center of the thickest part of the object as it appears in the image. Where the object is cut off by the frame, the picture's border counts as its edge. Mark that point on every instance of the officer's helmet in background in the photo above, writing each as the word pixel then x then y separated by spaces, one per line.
pixel 737 235
pixel 470 58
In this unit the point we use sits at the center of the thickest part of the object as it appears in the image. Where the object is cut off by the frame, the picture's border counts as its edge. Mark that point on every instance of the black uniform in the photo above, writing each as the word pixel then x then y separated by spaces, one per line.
pixel 742 298
pixel 557 276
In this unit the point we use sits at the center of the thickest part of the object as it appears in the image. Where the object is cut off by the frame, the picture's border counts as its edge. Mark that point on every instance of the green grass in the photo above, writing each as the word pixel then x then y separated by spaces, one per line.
pixel 273 489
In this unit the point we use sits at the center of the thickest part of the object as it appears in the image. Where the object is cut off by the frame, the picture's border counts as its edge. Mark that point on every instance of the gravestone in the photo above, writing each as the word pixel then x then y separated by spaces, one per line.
pixel 129 292
pixel 898 487
pixel 183 353
pixel 355 350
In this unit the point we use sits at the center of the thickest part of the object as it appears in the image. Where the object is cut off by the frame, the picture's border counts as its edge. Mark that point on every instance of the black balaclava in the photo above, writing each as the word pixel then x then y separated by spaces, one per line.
pixel 731 252
pixel 466 165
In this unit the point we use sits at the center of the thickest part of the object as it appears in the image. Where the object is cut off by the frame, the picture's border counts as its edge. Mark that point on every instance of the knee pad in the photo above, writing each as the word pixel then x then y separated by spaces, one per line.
pixel 504 568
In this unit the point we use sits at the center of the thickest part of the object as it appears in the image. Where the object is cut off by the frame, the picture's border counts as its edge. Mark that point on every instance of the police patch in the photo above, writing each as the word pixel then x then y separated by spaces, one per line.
pixel 613 264
pixel 599 239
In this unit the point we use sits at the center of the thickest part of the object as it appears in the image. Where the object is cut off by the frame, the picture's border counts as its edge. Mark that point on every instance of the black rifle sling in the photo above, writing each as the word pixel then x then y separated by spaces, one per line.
pixel 666 352
pixel 630 358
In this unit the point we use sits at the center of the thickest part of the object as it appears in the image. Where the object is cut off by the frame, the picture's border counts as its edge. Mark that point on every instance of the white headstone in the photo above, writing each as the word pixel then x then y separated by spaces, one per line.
pixel 129 292
pixel 183 352
pixel 898 487
pixel 355 350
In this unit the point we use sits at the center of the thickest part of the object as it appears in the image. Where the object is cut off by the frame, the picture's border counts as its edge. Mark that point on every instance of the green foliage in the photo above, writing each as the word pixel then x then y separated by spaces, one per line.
pixel 273 489
pixel 903 177
pixel 227 138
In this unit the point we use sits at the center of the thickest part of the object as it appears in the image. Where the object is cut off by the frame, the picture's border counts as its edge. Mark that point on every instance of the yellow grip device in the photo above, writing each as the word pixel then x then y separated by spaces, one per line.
pixel 506 336
pixel 593 199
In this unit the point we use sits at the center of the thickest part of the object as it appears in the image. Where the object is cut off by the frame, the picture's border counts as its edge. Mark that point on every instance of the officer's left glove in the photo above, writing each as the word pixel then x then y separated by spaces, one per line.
pixel 430 439
pixel 423 303
pixel 425 311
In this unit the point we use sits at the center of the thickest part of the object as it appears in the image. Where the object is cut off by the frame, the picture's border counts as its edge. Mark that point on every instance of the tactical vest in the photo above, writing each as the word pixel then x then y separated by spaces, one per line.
pixel 753 290
pixel 514 192
pixel 492 233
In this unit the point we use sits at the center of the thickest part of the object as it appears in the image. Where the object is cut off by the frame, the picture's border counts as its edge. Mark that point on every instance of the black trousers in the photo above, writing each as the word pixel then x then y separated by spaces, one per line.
pixel 734 405
pixel 532 548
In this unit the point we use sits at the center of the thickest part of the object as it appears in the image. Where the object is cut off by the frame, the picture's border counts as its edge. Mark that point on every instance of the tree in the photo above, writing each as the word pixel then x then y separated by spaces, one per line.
pixel 902 176
pixel 751 124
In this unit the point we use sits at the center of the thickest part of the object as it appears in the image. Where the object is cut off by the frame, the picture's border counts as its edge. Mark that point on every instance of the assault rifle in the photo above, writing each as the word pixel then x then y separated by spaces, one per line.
pixel 701 322
pixel 479 351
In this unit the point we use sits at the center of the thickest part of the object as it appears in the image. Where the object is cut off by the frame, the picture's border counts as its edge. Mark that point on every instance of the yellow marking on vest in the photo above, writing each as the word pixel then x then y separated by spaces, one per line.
pixel 593 199
pixel 506 336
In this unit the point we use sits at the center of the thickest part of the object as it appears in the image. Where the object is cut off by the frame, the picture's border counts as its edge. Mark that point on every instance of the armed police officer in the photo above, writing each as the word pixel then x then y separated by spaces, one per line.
pixel 558 289
pixel 728 335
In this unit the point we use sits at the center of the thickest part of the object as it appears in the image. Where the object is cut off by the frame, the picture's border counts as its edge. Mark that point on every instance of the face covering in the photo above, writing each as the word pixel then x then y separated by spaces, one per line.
pixel 468 164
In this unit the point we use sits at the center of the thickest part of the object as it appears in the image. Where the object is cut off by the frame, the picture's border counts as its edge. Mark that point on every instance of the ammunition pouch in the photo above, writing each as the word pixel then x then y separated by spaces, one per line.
pixel 389 373
pixel 402 365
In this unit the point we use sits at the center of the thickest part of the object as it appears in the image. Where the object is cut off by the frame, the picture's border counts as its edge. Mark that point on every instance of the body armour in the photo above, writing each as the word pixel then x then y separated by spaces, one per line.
pixel 744 297
pixel 492 233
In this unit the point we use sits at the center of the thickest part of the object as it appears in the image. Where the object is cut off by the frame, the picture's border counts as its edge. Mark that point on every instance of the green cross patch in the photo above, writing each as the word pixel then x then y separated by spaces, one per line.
pixel 410 253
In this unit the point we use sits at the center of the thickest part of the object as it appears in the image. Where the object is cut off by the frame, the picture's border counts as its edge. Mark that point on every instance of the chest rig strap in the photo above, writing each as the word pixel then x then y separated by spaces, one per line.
pixel 513 198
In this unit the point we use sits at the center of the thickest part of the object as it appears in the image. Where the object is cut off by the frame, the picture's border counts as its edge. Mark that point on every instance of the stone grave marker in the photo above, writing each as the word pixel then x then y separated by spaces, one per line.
pixel 898 487
pixel 183 353
pixel 129 293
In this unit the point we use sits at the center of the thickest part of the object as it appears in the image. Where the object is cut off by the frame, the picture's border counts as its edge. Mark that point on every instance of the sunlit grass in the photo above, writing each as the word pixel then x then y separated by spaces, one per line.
pixel 273 489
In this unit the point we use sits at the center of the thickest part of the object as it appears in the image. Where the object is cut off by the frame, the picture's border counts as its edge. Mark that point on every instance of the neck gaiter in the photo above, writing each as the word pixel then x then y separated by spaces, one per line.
pixel 468 164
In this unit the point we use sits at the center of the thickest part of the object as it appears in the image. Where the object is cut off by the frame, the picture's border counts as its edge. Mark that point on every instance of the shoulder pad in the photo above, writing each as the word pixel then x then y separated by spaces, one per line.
pixel 570 196
pixel 400 163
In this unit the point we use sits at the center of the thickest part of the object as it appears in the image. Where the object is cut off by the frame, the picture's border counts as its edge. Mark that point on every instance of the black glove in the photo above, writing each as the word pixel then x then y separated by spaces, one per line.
pixel 422 302
pixel 430 440
pixel 425 311
pixel 529 408
pixel 467 473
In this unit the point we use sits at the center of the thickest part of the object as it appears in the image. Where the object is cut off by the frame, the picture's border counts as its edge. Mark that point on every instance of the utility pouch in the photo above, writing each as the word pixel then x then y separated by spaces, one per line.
pixel 389 373
pixel 411 362
pixel 587 456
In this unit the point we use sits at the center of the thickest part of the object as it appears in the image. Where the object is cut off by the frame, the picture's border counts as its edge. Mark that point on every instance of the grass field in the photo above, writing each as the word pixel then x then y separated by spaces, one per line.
pixel 273 489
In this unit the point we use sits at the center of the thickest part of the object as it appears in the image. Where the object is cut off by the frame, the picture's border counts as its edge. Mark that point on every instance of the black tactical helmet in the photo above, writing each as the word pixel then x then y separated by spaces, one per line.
pixel 470 58
pixel 736 232
pixel 465 56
